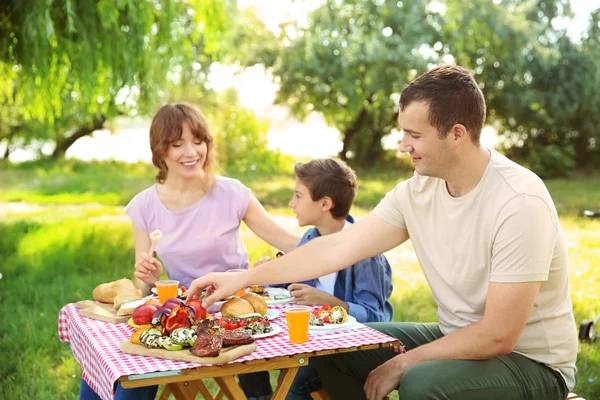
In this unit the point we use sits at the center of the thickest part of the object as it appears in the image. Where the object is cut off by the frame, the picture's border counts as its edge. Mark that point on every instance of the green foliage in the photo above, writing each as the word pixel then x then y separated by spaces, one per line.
pixel 68 66
pixel 351 63
pixel 541 88
pixel 355 56
pixel 551 160
pixel 242 139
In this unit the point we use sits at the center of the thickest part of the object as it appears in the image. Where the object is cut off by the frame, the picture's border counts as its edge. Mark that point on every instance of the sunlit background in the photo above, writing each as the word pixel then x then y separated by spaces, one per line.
pixel 129 139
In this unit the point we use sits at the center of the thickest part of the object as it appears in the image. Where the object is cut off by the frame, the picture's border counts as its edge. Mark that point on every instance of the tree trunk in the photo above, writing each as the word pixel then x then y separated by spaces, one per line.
pixel 6 151
pixel 9 138
pixel 352 129
pixel 63 146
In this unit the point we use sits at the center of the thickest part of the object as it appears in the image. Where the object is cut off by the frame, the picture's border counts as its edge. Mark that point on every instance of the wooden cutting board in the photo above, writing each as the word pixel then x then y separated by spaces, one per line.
pixel 226 355
pixel 101 311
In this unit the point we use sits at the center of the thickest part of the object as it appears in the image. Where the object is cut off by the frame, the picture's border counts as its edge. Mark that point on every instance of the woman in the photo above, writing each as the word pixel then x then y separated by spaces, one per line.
pixel 197 211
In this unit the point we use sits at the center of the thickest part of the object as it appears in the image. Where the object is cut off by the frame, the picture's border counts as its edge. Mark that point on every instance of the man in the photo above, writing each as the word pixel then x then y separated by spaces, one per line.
pixel 487 236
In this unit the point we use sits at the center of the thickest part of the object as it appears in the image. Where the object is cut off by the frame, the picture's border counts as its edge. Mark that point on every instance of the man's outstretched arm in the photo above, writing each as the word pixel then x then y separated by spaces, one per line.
pixel 366 238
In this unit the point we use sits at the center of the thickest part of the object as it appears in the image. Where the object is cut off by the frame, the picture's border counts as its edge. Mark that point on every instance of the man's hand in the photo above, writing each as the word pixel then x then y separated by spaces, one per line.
pixel 220 285
pixel 309 296
pixel 385 378
pixel 262 261
pixel 148 269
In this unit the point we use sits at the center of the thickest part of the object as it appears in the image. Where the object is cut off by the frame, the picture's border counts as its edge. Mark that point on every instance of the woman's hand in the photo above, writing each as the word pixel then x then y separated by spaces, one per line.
pixel 309 296
pixel 148 269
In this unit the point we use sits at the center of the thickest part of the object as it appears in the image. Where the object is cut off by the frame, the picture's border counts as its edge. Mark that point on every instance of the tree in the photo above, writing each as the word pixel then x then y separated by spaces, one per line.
pixel 538 84
pixel 355 56
pixel 351 63
pixel 68 66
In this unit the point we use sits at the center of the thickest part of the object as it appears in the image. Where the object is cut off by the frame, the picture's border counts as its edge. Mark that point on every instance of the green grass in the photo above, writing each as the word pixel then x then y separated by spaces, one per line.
pixel 114 183
pixel 52 254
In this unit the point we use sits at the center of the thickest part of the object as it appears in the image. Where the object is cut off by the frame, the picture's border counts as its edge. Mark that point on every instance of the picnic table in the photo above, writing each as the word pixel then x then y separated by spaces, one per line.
pixel 95 345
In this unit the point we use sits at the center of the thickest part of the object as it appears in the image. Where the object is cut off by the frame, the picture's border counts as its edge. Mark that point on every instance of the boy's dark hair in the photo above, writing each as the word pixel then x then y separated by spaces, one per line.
pixel 329 177
pixel 453 97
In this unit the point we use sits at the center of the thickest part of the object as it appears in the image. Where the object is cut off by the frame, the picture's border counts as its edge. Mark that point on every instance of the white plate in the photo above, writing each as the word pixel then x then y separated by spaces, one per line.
pixel 275 331
pixel 280 301
pixel 333 327
pixel 278 291
pixel 271 314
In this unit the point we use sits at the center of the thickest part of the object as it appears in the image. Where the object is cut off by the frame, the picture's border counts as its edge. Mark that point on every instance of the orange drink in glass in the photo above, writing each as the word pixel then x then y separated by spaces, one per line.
pixel 166 289
pixel 297 319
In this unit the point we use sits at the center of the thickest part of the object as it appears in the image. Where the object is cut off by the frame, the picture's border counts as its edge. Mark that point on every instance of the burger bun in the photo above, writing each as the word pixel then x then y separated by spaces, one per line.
pixel 258 303
pixel 236 308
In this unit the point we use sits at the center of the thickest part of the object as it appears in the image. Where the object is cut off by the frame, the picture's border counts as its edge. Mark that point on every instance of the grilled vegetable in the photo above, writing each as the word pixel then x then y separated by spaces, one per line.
pixel 168 343
pixel 181 336
pixel 135 337
pixel 151 331
pixel 338 315
pixel 191 337
pixel 152 341
pixel 181 316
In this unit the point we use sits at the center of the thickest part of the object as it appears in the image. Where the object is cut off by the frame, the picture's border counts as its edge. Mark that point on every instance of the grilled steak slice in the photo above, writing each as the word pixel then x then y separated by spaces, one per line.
pixel 236 337
pixel 203 327
pixel 207 345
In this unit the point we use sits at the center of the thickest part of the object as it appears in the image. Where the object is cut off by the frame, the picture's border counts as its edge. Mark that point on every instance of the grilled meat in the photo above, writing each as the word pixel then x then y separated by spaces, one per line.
pixel 235 337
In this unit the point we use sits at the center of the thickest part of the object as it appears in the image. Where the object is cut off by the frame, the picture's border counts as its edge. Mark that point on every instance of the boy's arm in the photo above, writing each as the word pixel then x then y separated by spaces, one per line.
pixel 308 295
pixel 367 238
pixel 372 288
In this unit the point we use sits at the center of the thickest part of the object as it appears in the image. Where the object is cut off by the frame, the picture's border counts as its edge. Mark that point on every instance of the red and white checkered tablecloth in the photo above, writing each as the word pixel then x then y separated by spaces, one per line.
pixel 95 345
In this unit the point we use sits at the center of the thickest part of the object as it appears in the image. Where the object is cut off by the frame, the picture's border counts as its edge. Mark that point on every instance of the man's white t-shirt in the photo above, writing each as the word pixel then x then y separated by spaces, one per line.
pixel 505 230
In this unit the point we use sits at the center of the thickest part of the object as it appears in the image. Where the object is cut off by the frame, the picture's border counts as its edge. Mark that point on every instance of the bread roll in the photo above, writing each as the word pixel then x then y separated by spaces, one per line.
pixel 129 307
pixel 236 307
pixel 106 292
pixel 126 298
pixel 258 303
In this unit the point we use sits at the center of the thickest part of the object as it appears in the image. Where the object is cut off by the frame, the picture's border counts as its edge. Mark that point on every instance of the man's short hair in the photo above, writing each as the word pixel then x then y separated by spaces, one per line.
pixel 329 177
pixel 453 97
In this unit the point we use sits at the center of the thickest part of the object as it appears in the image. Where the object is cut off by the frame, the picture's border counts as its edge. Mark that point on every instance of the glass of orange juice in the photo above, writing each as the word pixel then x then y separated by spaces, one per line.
pixel 297 319
pixel 166 289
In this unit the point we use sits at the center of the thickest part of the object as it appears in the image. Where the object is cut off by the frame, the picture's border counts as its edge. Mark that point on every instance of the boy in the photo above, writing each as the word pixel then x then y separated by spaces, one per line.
pixel 323 194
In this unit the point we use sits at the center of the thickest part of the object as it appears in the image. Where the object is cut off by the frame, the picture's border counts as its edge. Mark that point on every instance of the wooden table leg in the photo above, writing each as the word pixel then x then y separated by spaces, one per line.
pixel 186 390
pixel 201 387
pixel 166 391
pixel 285 382
pixel 231 388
